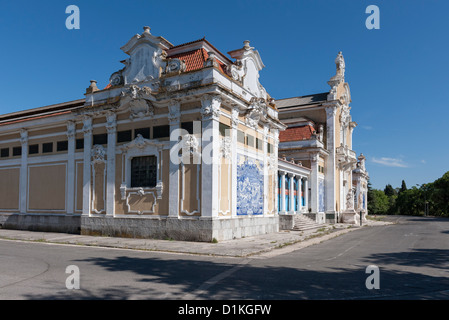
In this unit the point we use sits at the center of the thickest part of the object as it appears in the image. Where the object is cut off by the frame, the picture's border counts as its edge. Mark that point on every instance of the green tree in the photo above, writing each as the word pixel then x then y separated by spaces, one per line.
pixel 403 186
pixel 389 191
pixel 378 202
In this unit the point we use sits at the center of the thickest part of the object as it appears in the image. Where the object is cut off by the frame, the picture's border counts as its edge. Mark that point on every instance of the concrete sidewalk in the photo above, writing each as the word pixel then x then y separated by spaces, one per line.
pixel 256 246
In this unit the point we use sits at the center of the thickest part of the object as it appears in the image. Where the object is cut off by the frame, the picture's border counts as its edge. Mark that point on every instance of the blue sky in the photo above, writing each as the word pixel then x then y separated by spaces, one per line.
pixel 398 75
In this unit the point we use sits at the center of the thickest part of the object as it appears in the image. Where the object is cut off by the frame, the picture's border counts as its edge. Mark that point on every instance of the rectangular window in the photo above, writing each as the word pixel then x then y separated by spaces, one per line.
pixel 144 172
pixel 47 147
pixel 161 132
pixel 269 148
pixel 101 138
pixel 144 132
pixel 240 136
pixel 79 144
pixel 4 153
pixel 62 146
pixel 16 151
pixel 259 144
pixel 33 149
pixel 124 136
pixel 250 140
pixel 188 126
pixel 225 130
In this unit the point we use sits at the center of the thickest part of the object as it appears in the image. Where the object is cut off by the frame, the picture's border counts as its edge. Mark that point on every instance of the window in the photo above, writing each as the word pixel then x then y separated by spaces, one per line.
pixel 101 138
pixel 33 149
pixel 269 148
pixel 161 132
pixel 224 129
pixel 144 172
pixel 240 136
pixel 79 144
pixel 62 146
pixel 4 153
pixel 124 136
pixel 188 126
pixel 259 144
pixel 47 147
pixel 144 132
pixel 16 151
pixel 250 140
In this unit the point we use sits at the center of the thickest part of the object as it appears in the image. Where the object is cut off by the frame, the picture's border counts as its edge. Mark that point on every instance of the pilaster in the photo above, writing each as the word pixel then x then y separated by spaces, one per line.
pixel 111 126
pixel 330 189
pixel 24 171
pixel 87 194
pixel 71 167
pixel 174 117
pixel 210 150
pixel 314 200
pixel 234 125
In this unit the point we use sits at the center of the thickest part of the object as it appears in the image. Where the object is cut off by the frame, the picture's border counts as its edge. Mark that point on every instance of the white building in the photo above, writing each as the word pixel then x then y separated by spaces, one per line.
pixel 183 143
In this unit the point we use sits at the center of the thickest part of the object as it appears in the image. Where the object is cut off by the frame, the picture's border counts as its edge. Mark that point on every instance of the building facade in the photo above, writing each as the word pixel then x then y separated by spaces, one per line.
pixel 183 143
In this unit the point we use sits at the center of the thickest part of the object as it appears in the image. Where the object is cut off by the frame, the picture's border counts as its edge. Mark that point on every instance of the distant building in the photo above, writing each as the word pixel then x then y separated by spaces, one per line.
pixel 184 143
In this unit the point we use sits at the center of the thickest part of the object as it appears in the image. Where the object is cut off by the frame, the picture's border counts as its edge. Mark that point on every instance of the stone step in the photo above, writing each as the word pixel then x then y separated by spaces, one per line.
pixel 304 223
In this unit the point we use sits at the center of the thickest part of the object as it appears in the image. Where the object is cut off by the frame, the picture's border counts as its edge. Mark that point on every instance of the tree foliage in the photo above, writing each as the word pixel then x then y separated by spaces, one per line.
pixel 434 196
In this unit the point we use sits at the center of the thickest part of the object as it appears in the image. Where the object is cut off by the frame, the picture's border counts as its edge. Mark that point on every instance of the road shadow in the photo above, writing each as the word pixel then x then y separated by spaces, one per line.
pixel 255 281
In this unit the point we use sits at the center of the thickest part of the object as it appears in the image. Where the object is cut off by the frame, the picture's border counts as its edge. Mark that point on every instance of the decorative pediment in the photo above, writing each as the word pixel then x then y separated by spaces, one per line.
pixel 246 69
pixel 140 143
pixel 146 62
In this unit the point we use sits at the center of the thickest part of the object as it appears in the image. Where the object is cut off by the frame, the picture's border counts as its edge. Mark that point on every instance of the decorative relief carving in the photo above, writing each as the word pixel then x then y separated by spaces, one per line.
pixel 71 129
pixel 98 154
pixel 210 106
pixel 23 136
pixel 87 124
pixel 111 122
pixel 235 118
pixel 256 112
pixel 226 147
pixel 138 101
pixel 174 111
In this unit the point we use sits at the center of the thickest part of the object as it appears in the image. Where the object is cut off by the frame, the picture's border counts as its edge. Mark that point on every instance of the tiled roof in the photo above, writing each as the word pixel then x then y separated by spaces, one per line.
pixel 296 133
pixel 195 59
pixel 304 100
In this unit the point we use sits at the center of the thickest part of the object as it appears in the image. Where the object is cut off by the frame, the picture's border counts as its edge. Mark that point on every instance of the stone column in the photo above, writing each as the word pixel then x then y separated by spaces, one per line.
pixel 282 197
pixel 24 171
pixel 210 150
pixel 306 194
pixel 298 193
pixel 291 198
pixel 330 189
pixel 174 117
pixel 87 194
pixel 111 126
pixel 71 132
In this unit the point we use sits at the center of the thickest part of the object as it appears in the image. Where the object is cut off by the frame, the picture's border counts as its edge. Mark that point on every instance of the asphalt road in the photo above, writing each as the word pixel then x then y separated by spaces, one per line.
pixel 412 257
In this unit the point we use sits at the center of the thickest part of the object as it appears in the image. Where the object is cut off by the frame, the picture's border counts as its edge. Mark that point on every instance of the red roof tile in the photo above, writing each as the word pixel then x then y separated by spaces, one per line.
pixel 296 134
pixel 195 59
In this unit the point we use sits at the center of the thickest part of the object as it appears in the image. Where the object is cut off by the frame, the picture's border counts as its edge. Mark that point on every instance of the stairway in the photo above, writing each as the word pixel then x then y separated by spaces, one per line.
pixel 305 223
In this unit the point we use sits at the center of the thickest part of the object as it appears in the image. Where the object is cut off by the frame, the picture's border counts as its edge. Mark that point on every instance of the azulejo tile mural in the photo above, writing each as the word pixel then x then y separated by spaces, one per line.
pixel 249 186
